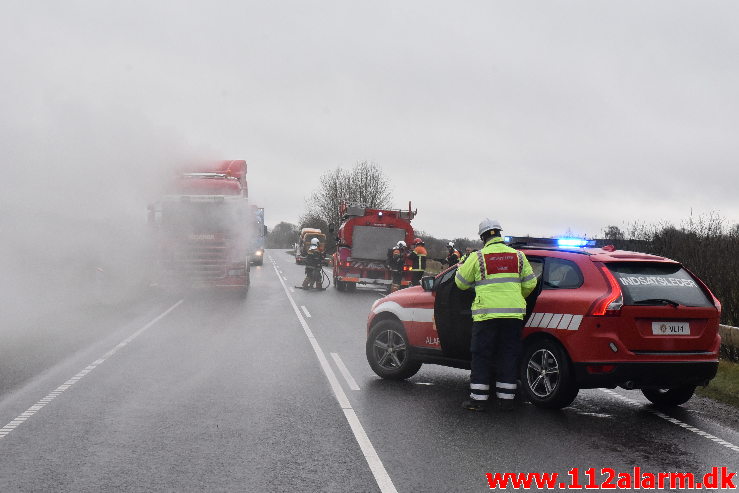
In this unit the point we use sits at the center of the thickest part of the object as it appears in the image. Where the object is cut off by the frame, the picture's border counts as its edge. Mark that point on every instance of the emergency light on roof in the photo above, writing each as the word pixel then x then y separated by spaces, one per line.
pixel 574 242
pixel 548 242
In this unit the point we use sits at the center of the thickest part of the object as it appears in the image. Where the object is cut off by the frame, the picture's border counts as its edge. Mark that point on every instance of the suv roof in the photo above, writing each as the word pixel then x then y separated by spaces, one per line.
pixel 601 255
pixel 607 253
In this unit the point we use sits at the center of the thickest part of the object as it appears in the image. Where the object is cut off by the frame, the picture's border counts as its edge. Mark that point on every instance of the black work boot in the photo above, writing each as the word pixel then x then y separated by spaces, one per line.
pixel 474 405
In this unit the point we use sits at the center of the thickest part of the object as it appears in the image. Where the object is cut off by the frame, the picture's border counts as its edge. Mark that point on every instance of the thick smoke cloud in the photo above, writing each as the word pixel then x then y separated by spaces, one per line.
pixel 76 183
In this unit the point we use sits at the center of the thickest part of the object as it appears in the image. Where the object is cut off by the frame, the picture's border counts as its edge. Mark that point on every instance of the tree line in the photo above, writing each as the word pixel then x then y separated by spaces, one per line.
pixel 705 244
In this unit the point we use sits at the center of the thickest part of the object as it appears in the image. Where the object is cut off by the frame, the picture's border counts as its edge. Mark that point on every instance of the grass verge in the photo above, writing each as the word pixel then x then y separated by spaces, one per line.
pixel 725 387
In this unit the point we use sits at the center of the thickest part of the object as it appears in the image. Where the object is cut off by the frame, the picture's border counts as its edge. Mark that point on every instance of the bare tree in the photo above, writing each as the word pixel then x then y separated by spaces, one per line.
pixel 364 184
pixel 613 233
pixel 283 235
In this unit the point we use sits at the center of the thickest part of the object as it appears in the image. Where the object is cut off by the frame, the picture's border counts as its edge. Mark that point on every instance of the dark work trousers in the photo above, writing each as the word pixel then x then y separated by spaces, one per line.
pixel 416 277
pixel 496 340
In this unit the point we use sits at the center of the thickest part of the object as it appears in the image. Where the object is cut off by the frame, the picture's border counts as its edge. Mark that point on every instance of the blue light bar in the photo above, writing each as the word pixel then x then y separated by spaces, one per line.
pixel 574 242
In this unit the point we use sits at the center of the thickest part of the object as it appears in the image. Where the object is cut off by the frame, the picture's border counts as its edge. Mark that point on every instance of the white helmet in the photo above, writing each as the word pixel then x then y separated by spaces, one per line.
pixel 401 244
pixel 315 241
pixel 487 224
pixel 313 247
pixel 450 244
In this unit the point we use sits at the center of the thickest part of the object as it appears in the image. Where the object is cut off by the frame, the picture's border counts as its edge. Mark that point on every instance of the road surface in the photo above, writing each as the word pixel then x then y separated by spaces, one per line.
pixel 273 393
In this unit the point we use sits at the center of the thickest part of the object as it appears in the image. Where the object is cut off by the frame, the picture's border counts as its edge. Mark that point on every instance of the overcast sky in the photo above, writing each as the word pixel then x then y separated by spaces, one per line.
pixel 548 116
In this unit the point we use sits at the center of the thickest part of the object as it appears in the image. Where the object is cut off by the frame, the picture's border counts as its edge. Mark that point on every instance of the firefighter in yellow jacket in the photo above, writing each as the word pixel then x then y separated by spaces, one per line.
pixel 502 278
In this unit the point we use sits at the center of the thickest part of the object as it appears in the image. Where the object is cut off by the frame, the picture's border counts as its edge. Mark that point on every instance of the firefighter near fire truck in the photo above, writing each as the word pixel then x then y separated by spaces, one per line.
pixel 418 261
pixel 501 278
pixel 396 262
pixel 313 266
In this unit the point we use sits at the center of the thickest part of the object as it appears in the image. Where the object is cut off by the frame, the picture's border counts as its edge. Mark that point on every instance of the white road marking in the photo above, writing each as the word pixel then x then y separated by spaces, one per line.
pixel 672 420
pixel 292 290
pixel 305 310
pixel 56 392
pixel 345 372
pixel 284 278
pixel 373 460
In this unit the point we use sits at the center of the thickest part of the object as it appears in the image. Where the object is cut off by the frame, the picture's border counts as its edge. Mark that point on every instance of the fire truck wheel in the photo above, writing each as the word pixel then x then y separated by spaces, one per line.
pixel 669 397
pixel 546 375
pixel 350 286
pixel 388 351
pixel 340 285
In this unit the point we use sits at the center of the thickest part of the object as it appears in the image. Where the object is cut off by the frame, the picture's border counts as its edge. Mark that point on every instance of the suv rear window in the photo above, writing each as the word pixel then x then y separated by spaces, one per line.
pixel 646 283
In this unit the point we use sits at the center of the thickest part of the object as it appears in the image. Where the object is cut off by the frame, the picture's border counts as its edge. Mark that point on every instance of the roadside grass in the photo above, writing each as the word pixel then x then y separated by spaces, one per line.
pixel 725 387
pixel 433 267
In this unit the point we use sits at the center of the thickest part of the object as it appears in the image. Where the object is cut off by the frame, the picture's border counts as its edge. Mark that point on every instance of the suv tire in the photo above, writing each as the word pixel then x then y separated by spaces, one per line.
pixel 546 375
pixel 388 351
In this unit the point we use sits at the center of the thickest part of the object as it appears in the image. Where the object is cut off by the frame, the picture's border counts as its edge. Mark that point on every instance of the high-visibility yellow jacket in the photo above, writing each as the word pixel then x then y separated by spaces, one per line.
pixel 502 278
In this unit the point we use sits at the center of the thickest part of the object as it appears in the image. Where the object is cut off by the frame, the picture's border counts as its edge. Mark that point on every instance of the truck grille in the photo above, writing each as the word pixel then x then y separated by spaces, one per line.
pixel 199 260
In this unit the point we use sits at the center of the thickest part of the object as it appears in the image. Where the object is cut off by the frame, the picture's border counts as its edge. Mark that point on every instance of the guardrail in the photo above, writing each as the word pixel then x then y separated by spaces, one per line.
pixel 729 342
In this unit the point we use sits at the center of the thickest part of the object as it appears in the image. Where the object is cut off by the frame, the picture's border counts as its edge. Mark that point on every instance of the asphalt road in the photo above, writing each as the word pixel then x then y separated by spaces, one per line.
pixel 273 393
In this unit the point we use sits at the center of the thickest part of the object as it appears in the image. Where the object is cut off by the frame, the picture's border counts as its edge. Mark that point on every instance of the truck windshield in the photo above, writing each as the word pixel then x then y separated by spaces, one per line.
pixel 658 283
pixel 201 218
pixel 371 242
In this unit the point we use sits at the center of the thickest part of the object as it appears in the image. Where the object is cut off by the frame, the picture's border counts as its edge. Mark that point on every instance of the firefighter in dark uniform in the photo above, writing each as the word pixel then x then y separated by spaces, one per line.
pixel 397 262
pixel 453 257
pixel 501 278
pixel 313 265
pixel 418 259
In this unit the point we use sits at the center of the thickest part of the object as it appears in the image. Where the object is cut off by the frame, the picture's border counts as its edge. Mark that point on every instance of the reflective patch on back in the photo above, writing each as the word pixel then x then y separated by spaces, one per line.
pixel 501 263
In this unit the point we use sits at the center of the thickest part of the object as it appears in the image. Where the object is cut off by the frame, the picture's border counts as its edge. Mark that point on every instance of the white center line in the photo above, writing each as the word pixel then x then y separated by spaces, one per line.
pixel 305 310
pixel 292 290
pixel 373 460
pixel 5 430
pixel 345 371
pixel 672 420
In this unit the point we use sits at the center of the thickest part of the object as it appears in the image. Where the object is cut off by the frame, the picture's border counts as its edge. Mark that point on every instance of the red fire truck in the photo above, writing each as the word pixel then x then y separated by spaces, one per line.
pixel 203 227
pixel 363 240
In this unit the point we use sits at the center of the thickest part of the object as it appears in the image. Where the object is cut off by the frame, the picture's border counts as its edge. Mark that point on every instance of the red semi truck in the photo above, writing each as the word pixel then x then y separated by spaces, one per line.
pixel 204 228
pixel 363 240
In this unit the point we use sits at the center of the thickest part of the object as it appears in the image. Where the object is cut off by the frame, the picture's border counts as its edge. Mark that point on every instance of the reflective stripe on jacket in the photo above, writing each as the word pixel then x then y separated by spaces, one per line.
pixel 502 278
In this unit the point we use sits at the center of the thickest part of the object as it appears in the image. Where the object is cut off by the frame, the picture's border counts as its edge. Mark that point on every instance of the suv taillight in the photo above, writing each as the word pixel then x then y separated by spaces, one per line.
pixel 611 303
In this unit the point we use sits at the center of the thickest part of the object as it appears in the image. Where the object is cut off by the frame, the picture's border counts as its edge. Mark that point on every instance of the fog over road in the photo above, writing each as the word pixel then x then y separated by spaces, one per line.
pixel 209 392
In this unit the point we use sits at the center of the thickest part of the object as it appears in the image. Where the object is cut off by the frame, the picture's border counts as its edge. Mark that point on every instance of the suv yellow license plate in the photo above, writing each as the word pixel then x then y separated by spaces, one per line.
pixel 671 328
